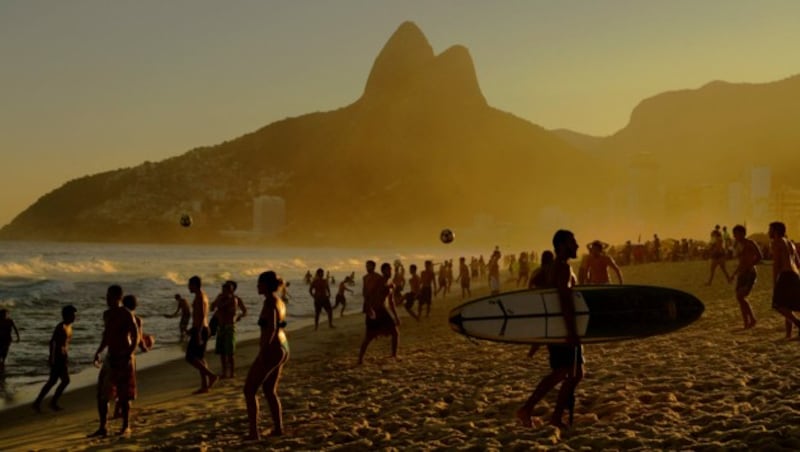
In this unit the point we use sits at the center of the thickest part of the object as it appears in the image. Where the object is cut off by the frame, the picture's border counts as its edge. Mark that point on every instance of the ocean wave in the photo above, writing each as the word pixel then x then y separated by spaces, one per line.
pixel 38 266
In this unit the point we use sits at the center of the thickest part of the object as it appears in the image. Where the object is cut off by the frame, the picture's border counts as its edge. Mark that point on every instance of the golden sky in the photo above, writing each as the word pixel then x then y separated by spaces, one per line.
pixel 89 85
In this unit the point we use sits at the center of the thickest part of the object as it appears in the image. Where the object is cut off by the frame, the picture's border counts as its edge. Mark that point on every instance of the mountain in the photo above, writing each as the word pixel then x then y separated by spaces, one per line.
pixel 582 141
pixel 419 150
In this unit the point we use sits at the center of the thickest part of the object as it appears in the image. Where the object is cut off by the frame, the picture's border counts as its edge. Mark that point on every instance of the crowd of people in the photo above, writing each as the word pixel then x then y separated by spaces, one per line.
pixel 385 288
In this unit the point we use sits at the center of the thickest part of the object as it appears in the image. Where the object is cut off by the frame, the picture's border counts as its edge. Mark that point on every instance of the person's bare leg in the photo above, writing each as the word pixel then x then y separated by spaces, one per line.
pixel 363 351
pixel 270 388
pixel 59 390
pixel 125 429
pixel 254 377
pixel 316 318
pixel 546 384
pixel 102 412
pixel 207 378
pixel 330 316
pixel 37 404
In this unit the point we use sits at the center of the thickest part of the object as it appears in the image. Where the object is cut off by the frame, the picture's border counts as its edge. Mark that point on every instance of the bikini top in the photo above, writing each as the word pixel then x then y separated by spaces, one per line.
pixel 263 323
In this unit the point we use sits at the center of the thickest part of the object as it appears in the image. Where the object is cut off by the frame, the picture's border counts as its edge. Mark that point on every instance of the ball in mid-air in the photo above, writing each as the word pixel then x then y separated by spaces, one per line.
pixel 186 220
pixel 447 235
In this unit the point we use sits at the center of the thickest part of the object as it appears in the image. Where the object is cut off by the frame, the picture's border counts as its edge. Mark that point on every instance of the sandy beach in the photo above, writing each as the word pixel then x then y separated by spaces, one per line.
pixel 709 386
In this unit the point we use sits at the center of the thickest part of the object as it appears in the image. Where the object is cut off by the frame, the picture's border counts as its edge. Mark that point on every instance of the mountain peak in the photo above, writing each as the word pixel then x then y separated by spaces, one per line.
pixel 408 68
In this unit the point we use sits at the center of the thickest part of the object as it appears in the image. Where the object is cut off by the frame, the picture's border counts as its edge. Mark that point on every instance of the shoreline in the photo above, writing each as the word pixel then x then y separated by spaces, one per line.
pixel 709 386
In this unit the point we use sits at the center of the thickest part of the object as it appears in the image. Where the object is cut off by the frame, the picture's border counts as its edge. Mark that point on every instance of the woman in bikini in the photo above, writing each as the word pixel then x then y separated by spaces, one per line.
pixel 272 355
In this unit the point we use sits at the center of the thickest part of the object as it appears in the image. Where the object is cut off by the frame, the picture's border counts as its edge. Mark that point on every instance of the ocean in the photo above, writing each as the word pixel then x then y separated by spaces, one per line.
pixel 38 278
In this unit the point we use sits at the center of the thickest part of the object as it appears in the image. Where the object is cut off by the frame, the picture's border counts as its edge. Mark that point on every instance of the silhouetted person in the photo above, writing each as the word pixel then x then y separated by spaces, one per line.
pixel 320 291
pixel 6 326
pixel 58 359
pixel 745 273
pixel 785 274
pixel 594 268
pixel 566 360
pixel 379 321
pixel 273 352
pixel 198 336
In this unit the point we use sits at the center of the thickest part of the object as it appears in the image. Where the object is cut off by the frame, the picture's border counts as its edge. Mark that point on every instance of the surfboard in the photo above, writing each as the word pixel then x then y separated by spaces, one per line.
pixel 603 313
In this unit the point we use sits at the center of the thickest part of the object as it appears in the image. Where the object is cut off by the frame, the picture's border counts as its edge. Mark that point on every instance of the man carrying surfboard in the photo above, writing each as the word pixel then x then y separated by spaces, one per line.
pixel 566 360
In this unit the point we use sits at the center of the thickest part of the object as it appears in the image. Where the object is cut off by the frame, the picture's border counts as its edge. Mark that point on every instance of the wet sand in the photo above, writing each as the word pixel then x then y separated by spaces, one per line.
pixel 709 386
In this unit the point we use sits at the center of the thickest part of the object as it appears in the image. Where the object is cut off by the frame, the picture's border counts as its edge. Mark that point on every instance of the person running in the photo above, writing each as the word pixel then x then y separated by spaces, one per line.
pixel 378 320
pixel 273 352
pixel 341 299
pixel 428 282
pixel 185 310
pixel 414 284
pixel 198 336
pixel 464 278
pixel 320 291
pixel 7 325
pixel 594 268
pixel 117 377
pixel 745 273
pixel 717 255
pixel 225 308
pixel 442 279
pixel 58 359
pixel 566 360
pixel 785 275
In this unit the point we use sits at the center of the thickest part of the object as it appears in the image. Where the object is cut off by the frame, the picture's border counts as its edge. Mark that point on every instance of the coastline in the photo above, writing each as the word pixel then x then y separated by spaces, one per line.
pixel 709 386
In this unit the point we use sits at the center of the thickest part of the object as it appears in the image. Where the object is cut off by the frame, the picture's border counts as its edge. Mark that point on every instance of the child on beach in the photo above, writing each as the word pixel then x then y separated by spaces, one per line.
pixel 57 360
pixel 340 294
pixel 6 326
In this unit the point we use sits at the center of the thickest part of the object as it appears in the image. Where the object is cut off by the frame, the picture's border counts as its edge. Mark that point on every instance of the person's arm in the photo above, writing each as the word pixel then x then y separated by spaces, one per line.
pixel 242 307
pixel 134 334
pixel 391 307
pixel 563 279
pixel 53 344
pixel 178 299
pixel 103 341
pixel 616 269
pixel 16 331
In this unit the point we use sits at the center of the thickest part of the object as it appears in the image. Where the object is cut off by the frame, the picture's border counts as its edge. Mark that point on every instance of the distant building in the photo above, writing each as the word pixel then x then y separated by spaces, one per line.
pixel 269 215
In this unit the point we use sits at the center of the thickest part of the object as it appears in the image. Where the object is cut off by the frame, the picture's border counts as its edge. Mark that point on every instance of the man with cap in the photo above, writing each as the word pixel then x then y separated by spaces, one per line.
pixel 594 268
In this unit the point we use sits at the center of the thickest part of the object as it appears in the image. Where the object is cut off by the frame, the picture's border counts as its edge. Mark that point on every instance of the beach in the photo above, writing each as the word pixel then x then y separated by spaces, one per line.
pixel 709 386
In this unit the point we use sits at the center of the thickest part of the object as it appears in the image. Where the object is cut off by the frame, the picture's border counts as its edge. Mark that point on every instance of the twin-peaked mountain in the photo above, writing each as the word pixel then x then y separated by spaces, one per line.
pixel 419 150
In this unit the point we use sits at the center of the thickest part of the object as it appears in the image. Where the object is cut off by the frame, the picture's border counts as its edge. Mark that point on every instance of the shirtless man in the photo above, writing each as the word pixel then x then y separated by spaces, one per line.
pixel 59 346
pixel 594 269
pixel 370 285
pixel 320 292
pixel 428 283
pixel 226 306
pixel 382 318
pixel 524 269
pixel 341 299
pixel 118 371
pixel 785 275
pixel 745 273
pixel 414 284
pixel 443 285
pixel 198 336
pixel 566 360
pixel 185 312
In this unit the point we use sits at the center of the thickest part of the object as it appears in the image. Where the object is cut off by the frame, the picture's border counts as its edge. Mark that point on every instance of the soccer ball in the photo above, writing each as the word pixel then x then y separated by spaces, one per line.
pixel 447 236
pixel 186 220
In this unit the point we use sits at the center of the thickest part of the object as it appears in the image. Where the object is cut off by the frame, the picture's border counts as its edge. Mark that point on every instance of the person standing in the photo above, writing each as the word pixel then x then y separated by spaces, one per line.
pixel 745 273
pixel 428 287
pixel 341 299
pixel 117 377
pixel 273 353
pixel 566 360
pixel 320 292
pixel 378 320
pixel 58 359
pixel 594 268
pixel 185 312
pixel 785 275
pixel 198 336
pixel 225 307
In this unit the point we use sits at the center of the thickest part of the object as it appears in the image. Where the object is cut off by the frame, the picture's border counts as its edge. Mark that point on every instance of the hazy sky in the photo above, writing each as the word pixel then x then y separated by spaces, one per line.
pixel 89 86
